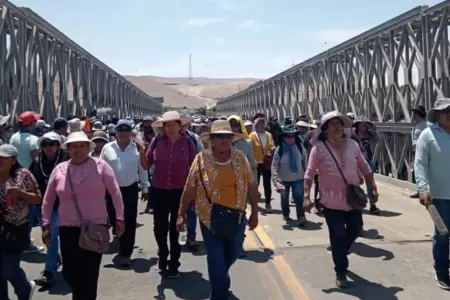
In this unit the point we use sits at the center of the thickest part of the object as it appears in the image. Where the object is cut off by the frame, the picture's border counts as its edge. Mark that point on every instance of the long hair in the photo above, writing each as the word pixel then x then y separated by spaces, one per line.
pixel 14 169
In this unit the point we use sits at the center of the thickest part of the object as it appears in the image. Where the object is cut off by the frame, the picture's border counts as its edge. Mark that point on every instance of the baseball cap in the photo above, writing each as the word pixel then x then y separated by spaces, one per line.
pixel 7 150
pixel 28 117
pixel 59 123
pixel 124 122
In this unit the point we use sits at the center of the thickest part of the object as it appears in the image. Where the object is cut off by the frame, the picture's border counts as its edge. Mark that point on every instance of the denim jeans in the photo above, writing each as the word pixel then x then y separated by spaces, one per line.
pixel 10 271
pixel 220 256
pixel 191 223
pixel 369 184
pixel 51 261
pixel 31 216
pixel 297 194
pixel 343 228
pixel 441 242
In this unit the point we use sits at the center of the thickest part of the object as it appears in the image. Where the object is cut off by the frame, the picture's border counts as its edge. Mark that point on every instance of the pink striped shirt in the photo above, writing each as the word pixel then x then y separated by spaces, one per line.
pixel 90 180
pixel 332 188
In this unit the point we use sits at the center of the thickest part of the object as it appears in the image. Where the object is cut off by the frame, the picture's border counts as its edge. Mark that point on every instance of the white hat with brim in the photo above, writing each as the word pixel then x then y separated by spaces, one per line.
pixel 4 119
pixel 78 137
pixel 52 136
pixel 171 116
pixel 305 124
pixel 7 150
pixel 346 121
pixel 75 125
pixel 440 104
pixel 220 127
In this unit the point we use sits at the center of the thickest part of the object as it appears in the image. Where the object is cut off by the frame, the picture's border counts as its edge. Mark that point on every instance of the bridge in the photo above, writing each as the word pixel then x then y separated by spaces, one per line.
pixel 43 70
pixel 381 73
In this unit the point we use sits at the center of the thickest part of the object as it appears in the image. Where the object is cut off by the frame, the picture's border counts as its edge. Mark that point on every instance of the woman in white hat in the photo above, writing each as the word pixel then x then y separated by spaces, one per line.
pixel 82 183
pixel 50 155
pixel 219 181
pixel 339 161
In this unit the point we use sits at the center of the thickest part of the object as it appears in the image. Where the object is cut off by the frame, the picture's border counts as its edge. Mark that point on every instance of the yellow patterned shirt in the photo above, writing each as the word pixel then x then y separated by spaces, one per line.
pixel 221 182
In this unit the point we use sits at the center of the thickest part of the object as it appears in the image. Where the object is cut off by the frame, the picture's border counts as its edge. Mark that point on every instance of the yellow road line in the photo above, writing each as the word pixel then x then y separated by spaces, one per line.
pixel 250 242
pixel 283 268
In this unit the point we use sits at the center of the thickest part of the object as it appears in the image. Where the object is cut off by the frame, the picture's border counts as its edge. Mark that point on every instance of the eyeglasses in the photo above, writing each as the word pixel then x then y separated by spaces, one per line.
pixel 49 144
pixel 123 129
pixel 222 136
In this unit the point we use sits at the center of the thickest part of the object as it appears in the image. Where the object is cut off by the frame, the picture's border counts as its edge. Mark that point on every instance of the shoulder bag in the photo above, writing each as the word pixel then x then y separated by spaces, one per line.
pixel 356 197
pixel 93 237
pixel 224 220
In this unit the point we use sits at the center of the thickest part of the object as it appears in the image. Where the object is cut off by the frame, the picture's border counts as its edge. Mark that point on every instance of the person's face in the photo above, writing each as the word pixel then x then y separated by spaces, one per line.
pixel 99 144
pixel 289 138
pixel 49 147
pixel 6 163
pixel 147 127
pixel 78 151
pixel 235 126
pixel 124 133
pixel 222 142
pixel 334 128
pixel 260 127
pixel 443 117
pixel 172 128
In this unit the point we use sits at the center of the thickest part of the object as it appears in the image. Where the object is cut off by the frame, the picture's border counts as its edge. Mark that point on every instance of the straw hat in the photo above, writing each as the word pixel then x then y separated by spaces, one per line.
pixel 169 117
pixel 79 136
pixel 346 121
pixel 75 125
pixel 305 124
pixel 220 127
pixel 100 135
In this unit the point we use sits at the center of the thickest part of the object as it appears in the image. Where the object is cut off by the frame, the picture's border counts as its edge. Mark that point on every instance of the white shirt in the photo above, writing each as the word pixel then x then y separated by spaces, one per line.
pixel 263 137
pixel 125 164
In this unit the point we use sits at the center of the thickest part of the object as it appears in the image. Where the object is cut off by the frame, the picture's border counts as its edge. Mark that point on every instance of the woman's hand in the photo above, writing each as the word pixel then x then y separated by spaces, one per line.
pixel 253 220
pixel 120 227
pixel 14 192
pixel 307 204
pixel 181 223
pixel 46 236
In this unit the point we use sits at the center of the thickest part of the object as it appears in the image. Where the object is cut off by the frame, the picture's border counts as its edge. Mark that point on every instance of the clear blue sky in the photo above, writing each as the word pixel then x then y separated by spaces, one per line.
pixel 227 38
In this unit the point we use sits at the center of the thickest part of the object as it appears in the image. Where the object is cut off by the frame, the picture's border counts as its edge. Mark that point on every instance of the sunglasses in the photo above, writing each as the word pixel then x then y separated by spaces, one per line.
pixel 289 136
pixel 222 136
pixel 123 129
pixel 49 144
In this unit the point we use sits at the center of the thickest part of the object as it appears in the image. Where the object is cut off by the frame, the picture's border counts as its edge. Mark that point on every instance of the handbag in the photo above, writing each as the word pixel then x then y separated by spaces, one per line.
pixel 356 197
pixel 267 159
pixel 93 237
pixel 13 238
pixel 224 220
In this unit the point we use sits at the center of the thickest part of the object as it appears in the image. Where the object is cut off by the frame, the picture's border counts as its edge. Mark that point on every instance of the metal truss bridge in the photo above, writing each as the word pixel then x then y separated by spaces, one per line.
pixel 381 73
pixel 43 70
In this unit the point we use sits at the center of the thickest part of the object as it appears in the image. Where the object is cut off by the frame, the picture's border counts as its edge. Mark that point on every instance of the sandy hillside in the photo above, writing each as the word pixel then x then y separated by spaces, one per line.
pixel 195 93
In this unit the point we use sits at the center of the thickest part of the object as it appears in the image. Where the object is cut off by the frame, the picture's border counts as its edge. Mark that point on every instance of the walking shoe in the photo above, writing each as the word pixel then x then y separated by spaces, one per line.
pixel 172 274
pixel 287 218
pixel 342 281
pixel 301 221
pixel 443 281
pixel 192 245
pixel 268 208
pixel 162 265
pixel 47 279
pixel 374 210
pixel 32 290
pixel 125 261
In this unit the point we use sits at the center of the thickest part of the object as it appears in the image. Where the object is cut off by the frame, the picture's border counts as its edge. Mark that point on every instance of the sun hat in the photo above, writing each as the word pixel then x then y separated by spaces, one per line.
pixel 351 115
pixel 40 124
pixel 302 123
pixel 8 150
pixel 98 125
pixel 440 104
pixel 287 129
pixel 362 119
pixel 78 136
pixel 171 116
pixel 420 110
pixel 53 136
pixel 248 123
pixel 4 119
pixel 346 121
pixel 100 135
pixel 75 125
pixel 220 127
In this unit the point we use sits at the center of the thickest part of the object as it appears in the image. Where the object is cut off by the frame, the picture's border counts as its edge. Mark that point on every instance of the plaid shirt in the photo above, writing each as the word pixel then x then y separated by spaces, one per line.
pixel 171 161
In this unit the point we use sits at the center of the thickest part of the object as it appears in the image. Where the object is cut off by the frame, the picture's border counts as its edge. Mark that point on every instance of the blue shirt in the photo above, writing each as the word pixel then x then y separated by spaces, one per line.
pixel 25 143
pixel 432 162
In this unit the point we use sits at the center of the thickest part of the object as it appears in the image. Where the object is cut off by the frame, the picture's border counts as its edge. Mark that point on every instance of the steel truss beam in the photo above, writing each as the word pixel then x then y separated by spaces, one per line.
pixel 43 70
pixel 381 74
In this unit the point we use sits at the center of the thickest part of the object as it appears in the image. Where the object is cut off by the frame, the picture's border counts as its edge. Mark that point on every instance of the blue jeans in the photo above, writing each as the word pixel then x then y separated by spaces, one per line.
pixel 31 215
pixel 297 194
pixel 51 261
pixel 343 228
pixel 220 256
pixel 10 271
pixel 191 222
pixel 441 243
pixel 369 184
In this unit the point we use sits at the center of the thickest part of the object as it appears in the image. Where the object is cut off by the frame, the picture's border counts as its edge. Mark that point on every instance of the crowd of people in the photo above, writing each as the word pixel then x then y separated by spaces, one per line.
pixel 80 180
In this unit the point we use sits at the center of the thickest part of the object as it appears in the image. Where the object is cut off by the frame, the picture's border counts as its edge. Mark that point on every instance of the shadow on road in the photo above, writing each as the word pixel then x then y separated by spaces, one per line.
pixel 371 234
pixel 362 288
pixel 309 226
pixel 138 265
pixel 369 251
pixel 258 256
pixel 189 286
pixel 34 258
pixel 384 213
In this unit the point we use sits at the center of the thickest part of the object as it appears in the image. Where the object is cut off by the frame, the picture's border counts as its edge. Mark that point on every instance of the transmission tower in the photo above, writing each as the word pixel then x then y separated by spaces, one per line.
pixel 190 76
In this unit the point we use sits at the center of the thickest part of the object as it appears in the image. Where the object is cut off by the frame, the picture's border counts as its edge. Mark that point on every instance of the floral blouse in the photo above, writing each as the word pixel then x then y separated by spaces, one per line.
pixel 17 212
pixel 212 177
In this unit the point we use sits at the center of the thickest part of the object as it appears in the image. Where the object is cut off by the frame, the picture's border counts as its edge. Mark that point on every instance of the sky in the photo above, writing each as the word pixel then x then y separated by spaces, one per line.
pixel 226 38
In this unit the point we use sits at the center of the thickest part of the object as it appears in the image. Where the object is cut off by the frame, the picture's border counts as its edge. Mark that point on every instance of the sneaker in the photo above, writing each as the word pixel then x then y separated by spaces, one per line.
pixel 162 265
pixel 172 274
pixel 32 290
pixel 342 281
pixel 374 210
pixel 47 278
pixel 287 218
pixel 301 221
pixel 268 208
pixel 33 248
pixel 125 261
pixel 443 281
pixel 192 245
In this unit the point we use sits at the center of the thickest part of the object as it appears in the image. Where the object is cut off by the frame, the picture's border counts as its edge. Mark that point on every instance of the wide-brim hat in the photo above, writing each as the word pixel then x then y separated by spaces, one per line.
pixel 100 135
pixel 4 119
pixel 420 109
pixel 440 104
pixel 76 137
pixel 75 125
pixel 171 116
pixel 52 136
pixel 305 124
pixel 220 127
pixel 362 119
pixel 346 121
pixel 287 130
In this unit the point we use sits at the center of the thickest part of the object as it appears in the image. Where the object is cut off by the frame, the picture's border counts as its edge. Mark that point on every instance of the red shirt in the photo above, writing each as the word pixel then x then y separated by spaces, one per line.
pixel 172 161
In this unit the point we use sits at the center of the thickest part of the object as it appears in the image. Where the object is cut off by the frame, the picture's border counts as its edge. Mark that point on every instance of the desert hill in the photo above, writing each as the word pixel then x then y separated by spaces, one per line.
pixel 195 93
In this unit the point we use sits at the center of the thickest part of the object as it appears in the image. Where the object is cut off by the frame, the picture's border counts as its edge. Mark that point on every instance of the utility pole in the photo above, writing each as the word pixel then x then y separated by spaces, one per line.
pixel 190 76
